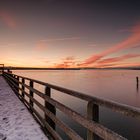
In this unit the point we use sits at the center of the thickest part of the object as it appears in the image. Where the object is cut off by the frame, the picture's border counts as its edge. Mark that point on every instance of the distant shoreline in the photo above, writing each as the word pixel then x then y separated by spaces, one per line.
pixel 33 68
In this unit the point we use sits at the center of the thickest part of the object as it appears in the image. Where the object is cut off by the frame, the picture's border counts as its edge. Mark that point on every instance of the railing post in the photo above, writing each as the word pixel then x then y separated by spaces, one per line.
pixel 92 114
pixel 31 94
pixel 3 69
pixel 17 83
pixel 23 88
pixel 50 107
pixel 13 80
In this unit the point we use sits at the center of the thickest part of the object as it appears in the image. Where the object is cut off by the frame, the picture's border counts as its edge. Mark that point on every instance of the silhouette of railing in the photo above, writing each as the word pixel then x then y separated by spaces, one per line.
pixel 1 68
pixel 50 120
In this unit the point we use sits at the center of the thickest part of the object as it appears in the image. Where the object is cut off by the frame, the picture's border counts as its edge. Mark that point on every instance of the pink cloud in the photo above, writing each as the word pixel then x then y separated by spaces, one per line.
pixel 61 65
pixel 41 45
pixel 137 64
pixel 67 62
pixel 117 59
pixel 69 58
pixel 8 19
pixel 105 65
pixel 129 42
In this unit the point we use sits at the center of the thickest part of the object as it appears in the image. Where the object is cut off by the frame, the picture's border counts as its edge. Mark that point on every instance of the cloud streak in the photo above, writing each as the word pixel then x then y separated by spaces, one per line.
pixel 68 62
pixel 137 64
pixel 60 39
pixel 117 59
pixel 42 44
pixel 129 42
pixel 8 19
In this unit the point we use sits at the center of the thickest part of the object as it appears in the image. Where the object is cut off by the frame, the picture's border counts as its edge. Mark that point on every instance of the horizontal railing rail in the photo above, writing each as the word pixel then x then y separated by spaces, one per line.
pixel 50 120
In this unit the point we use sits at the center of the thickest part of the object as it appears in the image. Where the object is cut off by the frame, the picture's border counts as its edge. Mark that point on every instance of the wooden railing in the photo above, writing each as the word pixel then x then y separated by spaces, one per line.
pixel 50 120
pixel 1 68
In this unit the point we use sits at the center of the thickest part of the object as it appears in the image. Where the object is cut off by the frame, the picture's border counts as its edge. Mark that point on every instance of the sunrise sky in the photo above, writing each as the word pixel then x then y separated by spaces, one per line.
pixel 70 33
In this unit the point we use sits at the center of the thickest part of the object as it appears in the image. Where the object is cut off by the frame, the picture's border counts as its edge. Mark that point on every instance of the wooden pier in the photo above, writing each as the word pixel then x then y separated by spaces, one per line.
pixel 16 122
pixel 50 120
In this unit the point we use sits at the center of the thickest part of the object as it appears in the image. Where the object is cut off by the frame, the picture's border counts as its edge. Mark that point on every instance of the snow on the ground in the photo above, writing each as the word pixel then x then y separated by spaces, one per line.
pixel 16 122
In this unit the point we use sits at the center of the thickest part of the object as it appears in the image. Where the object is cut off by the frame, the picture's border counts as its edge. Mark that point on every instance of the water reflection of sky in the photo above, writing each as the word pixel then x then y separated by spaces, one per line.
pixel 117 85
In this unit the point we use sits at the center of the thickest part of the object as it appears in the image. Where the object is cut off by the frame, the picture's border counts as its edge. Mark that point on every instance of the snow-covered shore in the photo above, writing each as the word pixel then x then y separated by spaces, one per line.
pixel 16 123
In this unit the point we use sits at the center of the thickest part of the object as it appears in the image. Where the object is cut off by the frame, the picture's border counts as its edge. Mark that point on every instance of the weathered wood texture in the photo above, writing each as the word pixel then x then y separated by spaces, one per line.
pixel 1 68
pixel 50 107
pixel 50 120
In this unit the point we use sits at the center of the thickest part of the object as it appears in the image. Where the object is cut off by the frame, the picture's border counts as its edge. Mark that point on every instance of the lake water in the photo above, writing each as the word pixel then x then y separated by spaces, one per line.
pixel 116 85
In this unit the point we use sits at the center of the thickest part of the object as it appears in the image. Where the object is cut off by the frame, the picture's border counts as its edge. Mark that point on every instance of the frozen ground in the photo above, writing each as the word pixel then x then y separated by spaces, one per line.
pixel 16 123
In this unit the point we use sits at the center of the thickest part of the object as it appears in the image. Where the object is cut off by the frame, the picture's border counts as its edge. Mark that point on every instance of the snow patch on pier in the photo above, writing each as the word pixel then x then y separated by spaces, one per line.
pixel 16 123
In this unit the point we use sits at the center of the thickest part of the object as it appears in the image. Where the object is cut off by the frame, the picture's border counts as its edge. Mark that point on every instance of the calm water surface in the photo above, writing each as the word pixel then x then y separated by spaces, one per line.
pixel 116 85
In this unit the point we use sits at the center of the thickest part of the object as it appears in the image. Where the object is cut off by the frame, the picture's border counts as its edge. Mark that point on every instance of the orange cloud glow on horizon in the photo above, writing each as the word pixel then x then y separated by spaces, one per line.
pixel 117 59
pixel 68 62
pixel 130 42
pixel 127 65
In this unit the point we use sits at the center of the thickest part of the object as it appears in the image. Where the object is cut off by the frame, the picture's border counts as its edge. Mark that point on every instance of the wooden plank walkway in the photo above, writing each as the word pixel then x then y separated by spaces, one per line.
pixel 90 121
pixel 16 122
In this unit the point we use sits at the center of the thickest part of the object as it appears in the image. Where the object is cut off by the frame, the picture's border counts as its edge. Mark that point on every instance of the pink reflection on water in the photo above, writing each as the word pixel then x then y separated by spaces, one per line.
pixel 117 85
